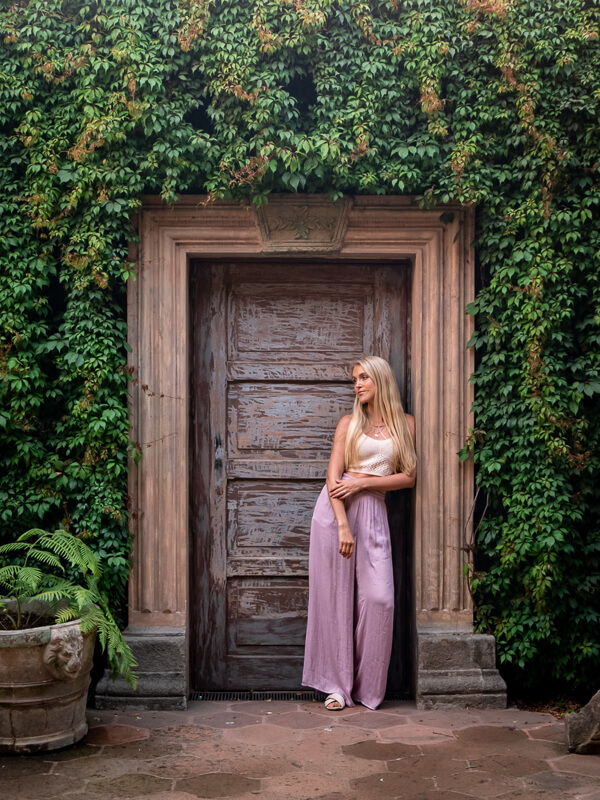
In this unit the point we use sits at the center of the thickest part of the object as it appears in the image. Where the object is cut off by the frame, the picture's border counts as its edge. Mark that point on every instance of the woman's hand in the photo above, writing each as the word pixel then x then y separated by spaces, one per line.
pixel 343 490
pixel 346 541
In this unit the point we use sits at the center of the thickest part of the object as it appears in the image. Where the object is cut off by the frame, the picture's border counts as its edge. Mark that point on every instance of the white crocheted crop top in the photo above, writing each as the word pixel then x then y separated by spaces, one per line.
pixel 374 456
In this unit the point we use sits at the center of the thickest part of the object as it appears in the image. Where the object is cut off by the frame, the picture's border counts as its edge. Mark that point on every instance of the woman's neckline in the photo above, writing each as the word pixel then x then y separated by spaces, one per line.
pixel 379 439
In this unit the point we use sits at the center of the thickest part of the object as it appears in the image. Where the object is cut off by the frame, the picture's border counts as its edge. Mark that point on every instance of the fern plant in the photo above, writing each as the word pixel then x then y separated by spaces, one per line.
pixel 39 576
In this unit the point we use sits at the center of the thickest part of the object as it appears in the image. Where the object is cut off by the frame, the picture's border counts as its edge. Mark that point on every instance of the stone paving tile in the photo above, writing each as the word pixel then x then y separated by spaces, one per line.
pixel 115 734
pixel 339 713
pixel 501 764
pixel 559 781
pixel 128 785
pixel 141 719
pixel 433 795
pixel 298 720
pixel 34 787
pixel 534 794
pixel 311 743
pixel 163 796
pixel 488 740
pixel 510 716
pixel 186 735
pixel 267 707
pixel 82 770
pixel 477 783
pixel 581 765
pixel 303 785
pixel 493 736
pixel 347 794
pixel 550 733
pixel 378 751
pixel 156 745
pixel 230 719
pixel 344 768
pixel 217 784
pixel 271 795
pixel 79 750
pixel 218 748
pixel 252 766
pixel 415 734
pixel 372 720
pixel 16 766
pixel 428 765
pixel 210 706
pixel 442 719
pixel 260 735
pixel 388 785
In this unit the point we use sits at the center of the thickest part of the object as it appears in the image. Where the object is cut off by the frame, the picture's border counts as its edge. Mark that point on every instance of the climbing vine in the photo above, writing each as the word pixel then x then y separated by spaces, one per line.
pixel 489 103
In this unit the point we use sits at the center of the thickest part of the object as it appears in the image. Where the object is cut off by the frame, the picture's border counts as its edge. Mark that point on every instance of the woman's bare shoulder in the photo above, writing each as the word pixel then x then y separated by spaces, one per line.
pixel 342 428
pixel 344 422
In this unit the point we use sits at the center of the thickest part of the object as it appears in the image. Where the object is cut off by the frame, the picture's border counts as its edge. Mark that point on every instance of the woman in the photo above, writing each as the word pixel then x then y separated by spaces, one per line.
pixel 351 583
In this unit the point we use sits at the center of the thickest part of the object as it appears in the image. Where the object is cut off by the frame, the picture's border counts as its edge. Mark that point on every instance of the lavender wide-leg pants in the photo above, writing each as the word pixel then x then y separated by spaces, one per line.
pixel 351 602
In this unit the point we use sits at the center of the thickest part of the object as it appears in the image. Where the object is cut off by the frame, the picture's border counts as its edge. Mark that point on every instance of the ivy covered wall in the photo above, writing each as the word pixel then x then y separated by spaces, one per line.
pixel 492 103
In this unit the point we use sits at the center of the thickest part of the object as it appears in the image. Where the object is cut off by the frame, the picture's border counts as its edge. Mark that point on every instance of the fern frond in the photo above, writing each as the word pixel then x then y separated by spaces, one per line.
pixel 11 547
pixel 27 581
pixel 30 534
pixel 50 559
pixel 52 594
pixel 9 572
pixel 66 614
pixel 73 550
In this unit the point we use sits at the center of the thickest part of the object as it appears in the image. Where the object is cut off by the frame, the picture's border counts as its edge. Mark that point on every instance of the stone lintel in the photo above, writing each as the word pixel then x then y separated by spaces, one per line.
pixel 457 669
pixel 161 653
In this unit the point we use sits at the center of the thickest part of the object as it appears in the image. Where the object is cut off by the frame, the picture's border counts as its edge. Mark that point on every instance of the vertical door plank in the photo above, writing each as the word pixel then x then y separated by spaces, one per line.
pixel 202 597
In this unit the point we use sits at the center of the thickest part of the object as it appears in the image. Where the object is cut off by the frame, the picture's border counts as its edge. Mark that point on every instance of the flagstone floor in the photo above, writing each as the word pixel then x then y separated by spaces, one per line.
pixel 300 751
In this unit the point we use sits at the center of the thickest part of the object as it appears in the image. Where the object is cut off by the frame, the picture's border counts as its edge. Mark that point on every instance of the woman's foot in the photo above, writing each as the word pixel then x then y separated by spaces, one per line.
pixel 334 702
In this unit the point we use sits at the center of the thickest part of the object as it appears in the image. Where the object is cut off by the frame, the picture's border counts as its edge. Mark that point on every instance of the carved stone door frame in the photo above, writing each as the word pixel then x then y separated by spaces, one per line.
pixel 453 665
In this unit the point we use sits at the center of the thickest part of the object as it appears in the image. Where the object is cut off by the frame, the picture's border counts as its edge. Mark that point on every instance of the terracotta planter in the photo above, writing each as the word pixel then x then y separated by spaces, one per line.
pixel 44 680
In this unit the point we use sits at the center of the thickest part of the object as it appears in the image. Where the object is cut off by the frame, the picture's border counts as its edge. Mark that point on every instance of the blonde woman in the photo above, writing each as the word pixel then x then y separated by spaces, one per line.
pixel 351 582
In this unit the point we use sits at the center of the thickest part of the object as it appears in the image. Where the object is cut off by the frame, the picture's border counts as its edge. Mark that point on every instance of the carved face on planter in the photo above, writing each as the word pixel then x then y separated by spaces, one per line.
pixel 62 655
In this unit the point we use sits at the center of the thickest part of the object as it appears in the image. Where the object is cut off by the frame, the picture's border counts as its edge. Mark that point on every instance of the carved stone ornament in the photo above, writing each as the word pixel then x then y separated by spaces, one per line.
pixel 301 225
pixel 62 655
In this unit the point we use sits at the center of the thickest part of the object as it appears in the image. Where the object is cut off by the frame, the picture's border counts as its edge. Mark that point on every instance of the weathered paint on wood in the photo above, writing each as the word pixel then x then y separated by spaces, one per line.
pixel 275 380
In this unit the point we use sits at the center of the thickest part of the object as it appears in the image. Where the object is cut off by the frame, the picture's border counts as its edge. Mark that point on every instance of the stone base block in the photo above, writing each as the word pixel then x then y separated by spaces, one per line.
pixel 457 669
pixel 161 654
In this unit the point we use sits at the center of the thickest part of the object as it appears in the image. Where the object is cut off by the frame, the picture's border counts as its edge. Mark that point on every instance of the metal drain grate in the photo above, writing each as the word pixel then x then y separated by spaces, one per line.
pixel 297 696
pixel 255 695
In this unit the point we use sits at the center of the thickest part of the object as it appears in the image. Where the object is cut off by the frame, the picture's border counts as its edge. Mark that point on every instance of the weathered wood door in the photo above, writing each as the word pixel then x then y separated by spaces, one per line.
pixel 273 343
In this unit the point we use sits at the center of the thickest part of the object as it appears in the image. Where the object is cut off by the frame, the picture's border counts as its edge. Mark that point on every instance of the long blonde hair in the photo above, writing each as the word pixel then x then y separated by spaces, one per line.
pixel 388 406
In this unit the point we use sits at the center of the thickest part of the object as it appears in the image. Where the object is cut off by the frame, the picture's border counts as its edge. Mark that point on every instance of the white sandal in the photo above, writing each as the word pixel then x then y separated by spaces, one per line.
pixel 334 698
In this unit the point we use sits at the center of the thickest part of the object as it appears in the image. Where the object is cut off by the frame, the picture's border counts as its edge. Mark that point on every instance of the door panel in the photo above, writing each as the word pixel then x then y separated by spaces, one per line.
pixel 293 322
pixel 273 344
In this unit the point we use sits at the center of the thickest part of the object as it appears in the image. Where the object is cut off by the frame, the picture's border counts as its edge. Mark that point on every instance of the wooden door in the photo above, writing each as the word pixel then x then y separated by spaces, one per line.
pixel 273 343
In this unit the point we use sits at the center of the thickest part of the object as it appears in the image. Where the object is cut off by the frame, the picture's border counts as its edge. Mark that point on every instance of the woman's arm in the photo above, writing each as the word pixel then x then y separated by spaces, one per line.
pixel 387 483
pixel 334 474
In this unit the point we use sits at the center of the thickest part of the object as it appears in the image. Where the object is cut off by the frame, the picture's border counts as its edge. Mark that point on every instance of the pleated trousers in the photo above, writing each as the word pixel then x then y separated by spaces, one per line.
pixel 351 602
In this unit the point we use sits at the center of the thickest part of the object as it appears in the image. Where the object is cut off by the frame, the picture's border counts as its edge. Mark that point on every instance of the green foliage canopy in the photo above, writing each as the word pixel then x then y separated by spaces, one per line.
pixel 492 103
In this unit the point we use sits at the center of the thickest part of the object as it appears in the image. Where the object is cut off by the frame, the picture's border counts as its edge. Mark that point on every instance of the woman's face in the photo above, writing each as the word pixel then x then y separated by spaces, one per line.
pixel 364 386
